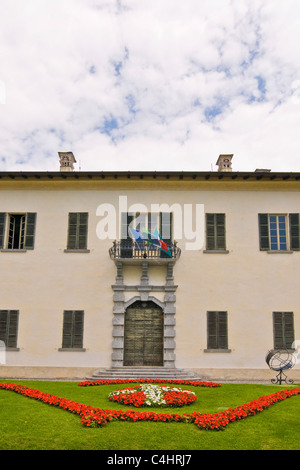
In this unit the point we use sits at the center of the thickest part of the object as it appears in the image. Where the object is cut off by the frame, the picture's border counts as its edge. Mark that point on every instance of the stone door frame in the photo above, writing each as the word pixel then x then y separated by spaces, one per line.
pixel 146 292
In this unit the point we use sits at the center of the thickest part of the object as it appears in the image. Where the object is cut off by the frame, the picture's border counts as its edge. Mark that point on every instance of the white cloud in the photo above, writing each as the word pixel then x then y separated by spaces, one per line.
pixel 150 85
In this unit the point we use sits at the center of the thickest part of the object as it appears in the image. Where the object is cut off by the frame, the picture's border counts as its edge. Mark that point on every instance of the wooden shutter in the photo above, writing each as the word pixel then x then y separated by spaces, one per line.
pixel 166 228
pixel 2 228
pixel 9 327
pixel 264 242
pixel 126 240
pixel 294 232
pixel 215 232
pixel 78 329
pixel 13 329
pixel 3 324
pixel 283 326
pixel 82 230
pixel 212 341
pixel 73 329
pixel 217 337
pixel 30 230
pixel 77 233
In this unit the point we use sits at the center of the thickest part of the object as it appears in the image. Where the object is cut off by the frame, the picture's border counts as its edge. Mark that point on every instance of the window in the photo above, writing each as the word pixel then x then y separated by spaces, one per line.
pixel 283 329
pixel 73 329
pixel 279 232
pixel 9 320
pixel 217 335
pixel 162 222
pixel 150 222
pixel 215 232
pixel 77 231
pixel 17 231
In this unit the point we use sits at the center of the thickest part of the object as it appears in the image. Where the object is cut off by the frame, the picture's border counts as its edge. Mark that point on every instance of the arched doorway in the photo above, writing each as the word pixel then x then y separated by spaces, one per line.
pixel 143 334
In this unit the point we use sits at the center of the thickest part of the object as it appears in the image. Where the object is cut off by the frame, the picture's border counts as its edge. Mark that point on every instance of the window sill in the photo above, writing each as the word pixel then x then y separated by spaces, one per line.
pixel 72 349
pixel 217 350
pixel 7 250
pixel 11 349
pixel 270 252
pixel 76 251
pixel 216 251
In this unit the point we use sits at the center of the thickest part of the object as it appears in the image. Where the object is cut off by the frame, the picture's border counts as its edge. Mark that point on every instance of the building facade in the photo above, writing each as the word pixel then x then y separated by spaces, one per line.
pixel 173 270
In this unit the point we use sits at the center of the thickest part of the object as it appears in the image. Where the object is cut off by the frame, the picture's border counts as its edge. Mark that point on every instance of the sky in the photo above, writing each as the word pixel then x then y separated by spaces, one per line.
pixel 150 85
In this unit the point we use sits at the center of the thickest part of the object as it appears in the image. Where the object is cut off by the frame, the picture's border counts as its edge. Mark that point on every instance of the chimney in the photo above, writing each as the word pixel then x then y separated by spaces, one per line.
pixel 66 160
pixel 224 162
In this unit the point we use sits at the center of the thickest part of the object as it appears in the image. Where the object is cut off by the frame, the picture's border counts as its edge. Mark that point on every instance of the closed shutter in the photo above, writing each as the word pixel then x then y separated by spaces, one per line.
pixel 294 232
pixel 13 329
pixel 2 228
pixel 283 326
pixel 212 339
pixel 78 329
pixel 166 228
pixel 3 325
pixel 126 240
pixel 9 327
pixel 215 232
pixel 30 230
pixel 264 243
pixel 73 329
pixel 217 335
pixel 77 234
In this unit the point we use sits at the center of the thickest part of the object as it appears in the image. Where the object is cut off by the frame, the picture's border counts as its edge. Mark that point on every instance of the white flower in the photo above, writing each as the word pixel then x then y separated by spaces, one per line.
pixel 154 393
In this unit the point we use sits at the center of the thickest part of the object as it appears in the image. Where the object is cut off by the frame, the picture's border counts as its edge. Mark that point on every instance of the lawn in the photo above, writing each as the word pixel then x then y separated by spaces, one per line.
pixel 27 424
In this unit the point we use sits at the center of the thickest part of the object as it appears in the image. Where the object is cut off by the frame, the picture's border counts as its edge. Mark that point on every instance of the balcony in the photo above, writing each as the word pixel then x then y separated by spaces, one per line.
pixel 132 252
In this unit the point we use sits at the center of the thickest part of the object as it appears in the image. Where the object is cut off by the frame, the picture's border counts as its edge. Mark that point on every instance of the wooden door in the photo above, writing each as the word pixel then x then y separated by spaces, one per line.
pixel 143 336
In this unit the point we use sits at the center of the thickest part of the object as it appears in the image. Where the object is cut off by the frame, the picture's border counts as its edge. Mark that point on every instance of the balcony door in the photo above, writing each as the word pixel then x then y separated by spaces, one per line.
pixel 143 335
pixel 149 223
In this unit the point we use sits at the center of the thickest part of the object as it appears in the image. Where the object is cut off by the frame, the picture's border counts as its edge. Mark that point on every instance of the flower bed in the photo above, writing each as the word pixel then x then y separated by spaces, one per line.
pixel 153 395
pixel 96 417
pixel 195 383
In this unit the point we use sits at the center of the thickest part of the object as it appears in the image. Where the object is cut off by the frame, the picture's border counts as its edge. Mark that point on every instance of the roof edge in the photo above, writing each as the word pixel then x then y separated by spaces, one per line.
pixel 195 175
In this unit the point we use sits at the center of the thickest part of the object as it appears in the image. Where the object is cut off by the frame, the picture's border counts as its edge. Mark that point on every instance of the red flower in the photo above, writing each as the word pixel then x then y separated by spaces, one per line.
pixel 94 417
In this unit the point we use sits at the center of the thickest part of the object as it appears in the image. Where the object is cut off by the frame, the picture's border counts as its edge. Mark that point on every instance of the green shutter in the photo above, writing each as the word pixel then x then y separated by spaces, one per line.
pixel 9 327
pixel 212 340
pixel 166 229
pixel 78 329
pixel 217 330
pixel 294 232
pixel 222 325
pixel 67 329
pixel 13 329
pixel 30 230
pixel 3 325
pixel 289 329
pixel 82 230
pixel 215 232
pixel 264 243
pixel 73 329
pixel 2 228
pixel 126 240
pixel 283 327
pixel 77 232
pixel 166 220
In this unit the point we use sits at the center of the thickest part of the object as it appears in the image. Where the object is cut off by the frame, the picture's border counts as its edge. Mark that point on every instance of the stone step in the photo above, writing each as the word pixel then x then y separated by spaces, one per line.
pixel 143 373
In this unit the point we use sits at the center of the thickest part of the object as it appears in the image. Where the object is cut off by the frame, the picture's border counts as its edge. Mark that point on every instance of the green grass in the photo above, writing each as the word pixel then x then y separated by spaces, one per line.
pixel 27 424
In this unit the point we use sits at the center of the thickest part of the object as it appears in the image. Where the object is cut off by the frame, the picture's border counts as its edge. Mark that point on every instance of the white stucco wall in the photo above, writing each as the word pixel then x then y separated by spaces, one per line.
pixel 245 282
